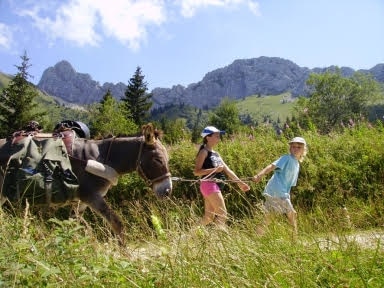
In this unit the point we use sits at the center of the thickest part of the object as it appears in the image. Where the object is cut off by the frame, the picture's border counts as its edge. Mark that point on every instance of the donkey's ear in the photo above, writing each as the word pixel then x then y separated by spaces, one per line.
pixel 149 133
pixel 158 133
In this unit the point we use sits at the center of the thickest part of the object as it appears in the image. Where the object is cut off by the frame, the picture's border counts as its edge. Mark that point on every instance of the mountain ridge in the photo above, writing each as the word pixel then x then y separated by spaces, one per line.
pixel 242 78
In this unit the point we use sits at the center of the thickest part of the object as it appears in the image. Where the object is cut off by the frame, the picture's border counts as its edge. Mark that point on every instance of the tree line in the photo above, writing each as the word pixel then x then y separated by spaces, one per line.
pixel 109 117
pixel 334 102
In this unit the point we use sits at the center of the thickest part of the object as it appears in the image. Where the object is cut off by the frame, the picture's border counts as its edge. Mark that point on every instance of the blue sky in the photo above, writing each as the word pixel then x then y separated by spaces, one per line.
pixel 178 42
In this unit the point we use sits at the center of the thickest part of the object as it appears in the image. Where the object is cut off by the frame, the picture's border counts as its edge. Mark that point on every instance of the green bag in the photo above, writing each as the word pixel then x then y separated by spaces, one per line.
pixel 40 171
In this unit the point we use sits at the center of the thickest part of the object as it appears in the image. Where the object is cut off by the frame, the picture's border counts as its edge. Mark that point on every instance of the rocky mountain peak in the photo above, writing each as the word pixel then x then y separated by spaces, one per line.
pixel 243 77
pixel 63 81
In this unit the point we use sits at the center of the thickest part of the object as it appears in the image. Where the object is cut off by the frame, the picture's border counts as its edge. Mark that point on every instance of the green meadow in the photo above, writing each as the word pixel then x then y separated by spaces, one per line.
pixel 272 107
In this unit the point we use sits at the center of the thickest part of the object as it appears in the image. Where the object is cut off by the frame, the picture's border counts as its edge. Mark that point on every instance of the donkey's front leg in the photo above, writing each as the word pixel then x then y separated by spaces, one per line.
pixel 77 210
pixel 3 199
pixel 100 206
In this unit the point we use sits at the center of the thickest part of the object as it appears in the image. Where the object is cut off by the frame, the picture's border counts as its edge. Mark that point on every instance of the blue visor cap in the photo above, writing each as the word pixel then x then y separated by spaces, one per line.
pixel 210 130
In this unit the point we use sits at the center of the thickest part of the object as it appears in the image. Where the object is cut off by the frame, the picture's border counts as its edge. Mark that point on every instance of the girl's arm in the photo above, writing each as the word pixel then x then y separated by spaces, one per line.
pixel 231 175
pixel 199 171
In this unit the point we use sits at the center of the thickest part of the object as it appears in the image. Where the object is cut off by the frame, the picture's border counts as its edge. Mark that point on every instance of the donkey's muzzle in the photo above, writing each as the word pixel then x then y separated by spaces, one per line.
pixel 163 188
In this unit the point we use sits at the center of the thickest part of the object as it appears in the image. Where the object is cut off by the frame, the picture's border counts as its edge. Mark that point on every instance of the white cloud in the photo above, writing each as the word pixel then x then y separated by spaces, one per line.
pixel 86 22
pixel 254 7
pixel 128 21
pixel 78 20
pixel 73 21
pixel 5 36
pixel 189 7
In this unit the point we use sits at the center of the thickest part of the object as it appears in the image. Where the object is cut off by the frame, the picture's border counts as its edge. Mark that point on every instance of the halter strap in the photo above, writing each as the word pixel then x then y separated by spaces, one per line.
pixel 141 172
pixel 109 149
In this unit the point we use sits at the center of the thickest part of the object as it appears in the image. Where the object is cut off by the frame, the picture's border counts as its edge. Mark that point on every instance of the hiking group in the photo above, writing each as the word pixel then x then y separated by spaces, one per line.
pixel 212 170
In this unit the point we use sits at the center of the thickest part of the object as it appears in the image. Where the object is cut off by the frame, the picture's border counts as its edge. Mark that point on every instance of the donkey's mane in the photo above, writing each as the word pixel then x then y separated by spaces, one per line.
pixel 157 132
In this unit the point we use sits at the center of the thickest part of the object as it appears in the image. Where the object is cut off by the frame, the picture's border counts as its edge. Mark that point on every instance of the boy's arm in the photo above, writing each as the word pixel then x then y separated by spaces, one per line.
pixel 263 172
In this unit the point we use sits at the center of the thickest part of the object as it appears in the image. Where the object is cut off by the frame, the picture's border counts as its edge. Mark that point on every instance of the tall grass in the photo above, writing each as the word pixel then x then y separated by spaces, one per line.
pixel 340 215
pixel 65 253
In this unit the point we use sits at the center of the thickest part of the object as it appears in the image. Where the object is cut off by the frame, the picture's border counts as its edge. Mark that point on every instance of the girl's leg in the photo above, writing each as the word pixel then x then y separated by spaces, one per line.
pixel 209 212
pixel 220 210
pixel 215 208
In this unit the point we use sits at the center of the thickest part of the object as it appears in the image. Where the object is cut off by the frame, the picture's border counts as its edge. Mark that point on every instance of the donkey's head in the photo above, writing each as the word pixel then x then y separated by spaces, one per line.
pixel 153 162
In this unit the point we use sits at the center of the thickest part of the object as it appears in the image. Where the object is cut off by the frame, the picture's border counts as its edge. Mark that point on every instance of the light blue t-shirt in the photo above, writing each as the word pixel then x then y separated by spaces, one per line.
pixel 284 177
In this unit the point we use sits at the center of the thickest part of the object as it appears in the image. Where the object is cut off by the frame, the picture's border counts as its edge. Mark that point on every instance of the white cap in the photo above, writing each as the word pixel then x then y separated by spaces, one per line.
pixel 210 130
pixel 298 140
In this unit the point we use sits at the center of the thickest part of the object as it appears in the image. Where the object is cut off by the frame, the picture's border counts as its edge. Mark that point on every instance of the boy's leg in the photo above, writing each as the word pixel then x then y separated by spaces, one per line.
pixel 261 229
pixel 292 219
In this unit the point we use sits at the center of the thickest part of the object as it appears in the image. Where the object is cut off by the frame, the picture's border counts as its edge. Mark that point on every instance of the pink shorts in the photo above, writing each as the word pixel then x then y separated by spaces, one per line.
pixel 207 188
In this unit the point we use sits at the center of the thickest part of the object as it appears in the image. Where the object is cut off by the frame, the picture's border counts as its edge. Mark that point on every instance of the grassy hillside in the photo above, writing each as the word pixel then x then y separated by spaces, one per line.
pixel 274 107
pixel 57 109
pixel 4 80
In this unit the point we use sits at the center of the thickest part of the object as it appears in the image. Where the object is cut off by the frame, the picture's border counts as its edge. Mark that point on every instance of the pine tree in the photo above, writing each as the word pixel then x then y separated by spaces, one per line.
pixel 137 100
pixel 226 116
pixel 17 105
pixel 110 118
pixel 197 127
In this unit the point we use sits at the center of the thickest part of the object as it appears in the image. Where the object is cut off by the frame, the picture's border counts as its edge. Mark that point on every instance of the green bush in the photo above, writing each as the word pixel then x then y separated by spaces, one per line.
pixel 340 170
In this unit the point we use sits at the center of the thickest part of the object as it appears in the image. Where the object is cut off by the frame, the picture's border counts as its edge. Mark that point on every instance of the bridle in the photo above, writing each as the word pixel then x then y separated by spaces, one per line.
pixel 141 172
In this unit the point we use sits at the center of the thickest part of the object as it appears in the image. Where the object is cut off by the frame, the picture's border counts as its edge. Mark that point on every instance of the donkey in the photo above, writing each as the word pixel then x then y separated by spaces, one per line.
pixel 117 156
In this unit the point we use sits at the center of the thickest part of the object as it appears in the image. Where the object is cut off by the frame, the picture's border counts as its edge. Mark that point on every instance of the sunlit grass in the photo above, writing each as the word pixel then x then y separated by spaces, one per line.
pixel 273 106
pixel 338 200
pixel 4 80
pixel 68 253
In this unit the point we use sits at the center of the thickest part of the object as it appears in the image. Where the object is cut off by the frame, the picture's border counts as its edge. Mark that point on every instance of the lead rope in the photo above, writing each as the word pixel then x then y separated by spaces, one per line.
pixel 194 181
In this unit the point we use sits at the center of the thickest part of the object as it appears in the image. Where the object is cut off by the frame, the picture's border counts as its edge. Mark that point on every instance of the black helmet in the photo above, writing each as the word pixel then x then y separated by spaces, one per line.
pixel 80 128
pixel 32 126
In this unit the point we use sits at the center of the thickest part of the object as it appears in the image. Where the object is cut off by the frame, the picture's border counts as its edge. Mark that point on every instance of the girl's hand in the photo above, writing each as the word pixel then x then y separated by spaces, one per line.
pixel 244 186
pixel 219 168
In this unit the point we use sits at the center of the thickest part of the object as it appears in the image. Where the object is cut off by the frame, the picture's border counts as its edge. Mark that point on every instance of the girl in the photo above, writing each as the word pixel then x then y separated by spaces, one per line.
pixel 210 165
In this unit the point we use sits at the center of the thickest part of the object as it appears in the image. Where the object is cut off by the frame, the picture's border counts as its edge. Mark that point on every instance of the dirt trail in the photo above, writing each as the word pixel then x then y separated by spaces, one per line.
pixel 365 239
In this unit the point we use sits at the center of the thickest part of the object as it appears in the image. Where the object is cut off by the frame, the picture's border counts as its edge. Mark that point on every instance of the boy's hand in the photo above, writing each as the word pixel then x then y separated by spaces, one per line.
pixel 256 178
